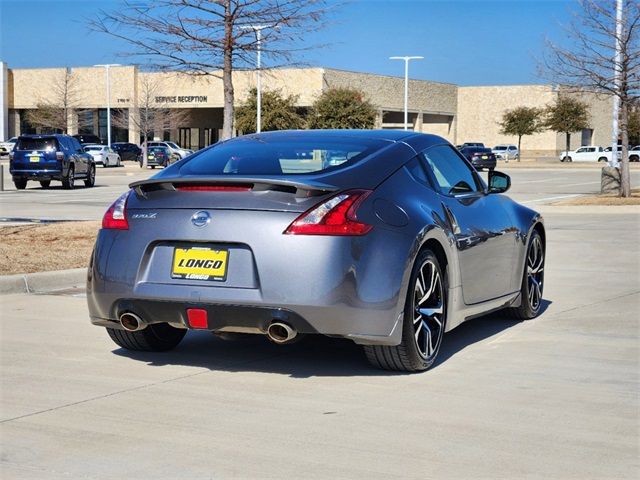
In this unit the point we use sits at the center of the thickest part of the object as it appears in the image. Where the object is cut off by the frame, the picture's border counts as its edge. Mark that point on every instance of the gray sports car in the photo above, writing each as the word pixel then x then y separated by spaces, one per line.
pixel 387 238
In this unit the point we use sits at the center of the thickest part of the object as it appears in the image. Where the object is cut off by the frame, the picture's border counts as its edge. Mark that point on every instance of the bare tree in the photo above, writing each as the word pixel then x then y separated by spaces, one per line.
pixel 588 62
pixel 206 37
pixel 149 113
pixel 61 105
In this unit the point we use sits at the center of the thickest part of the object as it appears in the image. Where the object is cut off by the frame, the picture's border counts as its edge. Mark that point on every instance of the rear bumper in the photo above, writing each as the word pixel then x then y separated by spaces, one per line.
pixel 481 164
pixel 331 286
pixel 37 174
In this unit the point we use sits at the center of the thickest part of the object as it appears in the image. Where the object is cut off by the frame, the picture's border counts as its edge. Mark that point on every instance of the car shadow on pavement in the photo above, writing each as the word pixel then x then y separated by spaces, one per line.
pixel 478 329
pixel 313 355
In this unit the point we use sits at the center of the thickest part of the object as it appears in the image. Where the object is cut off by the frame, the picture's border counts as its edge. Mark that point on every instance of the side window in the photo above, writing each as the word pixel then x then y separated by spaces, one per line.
pixel 452 174
pixel 580 150
pixel 76 145
pixel 417 171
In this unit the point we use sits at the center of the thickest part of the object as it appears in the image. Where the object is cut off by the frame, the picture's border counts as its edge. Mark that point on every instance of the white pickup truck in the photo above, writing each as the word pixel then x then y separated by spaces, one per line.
pixel 588 153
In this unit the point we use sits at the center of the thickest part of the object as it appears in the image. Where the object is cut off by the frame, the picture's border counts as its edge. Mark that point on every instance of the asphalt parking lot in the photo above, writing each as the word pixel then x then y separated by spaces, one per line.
pixel 555 397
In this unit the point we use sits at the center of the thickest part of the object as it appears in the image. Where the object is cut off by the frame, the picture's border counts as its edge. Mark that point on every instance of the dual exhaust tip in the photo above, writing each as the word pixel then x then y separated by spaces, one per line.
pixel 277 332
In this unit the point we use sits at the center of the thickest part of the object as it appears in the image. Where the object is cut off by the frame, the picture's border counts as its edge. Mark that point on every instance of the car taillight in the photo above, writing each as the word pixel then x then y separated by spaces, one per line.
pixel 335 216
pixel 59 156
pixel 11 155
pixel 214 188
pixel 115 217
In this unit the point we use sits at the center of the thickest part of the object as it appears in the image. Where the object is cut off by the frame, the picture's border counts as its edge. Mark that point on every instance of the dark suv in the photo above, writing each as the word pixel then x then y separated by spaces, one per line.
pixel 127 151
pixel 89 138
pixel 50 157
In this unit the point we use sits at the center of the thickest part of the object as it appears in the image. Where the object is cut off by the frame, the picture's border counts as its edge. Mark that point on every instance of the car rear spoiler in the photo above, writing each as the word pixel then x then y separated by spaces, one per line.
pixel 307 188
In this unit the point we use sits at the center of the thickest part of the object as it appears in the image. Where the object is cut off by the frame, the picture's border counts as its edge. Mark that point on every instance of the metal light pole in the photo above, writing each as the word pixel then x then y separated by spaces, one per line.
pixel 258 30
pixel 613 161
pixel 406 86
pixel 106 68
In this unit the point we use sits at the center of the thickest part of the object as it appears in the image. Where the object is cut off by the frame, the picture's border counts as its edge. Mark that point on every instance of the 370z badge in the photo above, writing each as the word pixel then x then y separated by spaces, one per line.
pixel 199 263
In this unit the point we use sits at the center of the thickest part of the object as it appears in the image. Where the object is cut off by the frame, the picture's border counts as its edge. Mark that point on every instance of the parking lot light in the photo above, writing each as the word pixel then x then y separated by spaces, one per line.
pixel 406 85
pixel 106 67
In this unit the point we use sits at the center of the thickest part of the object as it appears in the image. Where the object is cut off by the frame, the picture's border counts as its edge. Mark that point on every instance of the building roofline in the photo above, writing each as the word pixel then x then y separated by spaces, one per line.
pixel 388 76
pixel 550 85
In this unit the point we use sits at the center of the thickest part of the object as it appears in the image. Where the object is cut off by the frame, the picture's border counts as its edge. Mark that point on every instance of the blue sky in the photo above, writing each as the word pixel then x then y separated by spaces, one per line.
pixel 471 42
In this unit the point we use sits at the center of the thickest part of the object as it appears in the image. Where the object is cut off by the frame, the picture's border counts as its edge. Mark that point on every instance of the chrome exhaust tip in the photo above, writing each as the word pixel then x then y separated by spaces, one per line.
pixel 131 322
pixel 281 333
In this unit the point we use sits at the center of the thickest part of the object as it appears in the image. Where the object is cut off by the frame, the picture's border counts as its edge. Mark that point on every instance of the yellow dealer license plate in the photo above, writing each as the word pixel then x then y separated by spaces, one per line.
pixel 199 264
pixel 484 157
pixel 34 158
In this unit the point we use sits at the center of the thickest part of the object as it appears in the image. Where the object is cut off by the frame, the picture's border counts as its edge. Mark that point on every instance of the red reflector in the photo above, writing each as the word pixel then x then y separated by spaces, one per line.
pixel 214 188
pixel 197 318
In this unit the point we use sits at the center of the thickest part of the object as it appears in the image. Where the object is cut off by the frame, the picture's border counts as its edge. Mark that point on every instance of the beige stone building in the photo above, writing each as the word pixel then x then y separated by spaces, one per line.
pixel 457 113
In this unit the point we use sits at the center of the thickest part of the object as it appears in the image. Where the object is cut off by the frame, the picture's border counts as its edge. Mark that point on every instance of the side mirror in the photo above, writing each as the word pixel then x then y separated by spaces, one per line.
pixel 499 182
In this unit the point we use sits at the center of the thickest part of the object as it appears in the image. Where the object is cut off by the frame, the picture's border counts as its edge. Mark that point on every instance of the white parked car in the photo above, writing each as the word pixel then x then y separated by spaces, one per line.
pixel 173 147
pixel 103 155
pixel 588 153
pixel 634 153
pixel 505 152
pixel 7 147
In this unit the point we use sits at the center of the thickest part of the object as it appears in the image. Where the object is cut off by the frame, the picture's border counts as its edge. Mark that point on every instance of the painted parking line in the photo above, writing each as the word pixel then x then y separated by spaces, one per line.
pixel 558 197
pixel 540 181
pixel 583 183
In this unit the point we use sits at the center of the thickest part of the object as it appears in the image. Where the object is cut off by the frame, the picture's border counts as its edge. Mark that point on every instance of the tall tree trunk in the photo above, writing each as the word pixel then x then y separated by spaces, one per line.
pixel 567 143
pixel 519 149
pixel 625 180
pixel 227 70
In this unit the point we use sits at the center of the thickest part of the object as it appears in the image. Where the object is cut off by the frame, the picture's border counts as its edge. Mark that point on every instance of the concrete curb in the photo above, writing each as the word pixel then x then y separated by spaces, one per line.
pixel 42 281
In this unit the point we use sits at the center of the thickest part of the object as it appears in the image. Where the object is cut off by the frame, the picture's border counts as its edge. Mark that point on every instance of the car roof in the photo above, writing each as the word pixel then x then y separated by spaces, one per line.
pixel 42 135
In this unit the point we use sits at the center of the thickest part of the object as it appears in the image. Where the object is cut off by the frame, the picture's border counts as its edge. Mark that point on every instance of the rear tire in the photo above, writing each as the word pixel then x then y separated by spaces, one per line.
pixel 158 337
pixel 566 159
pixel 20 183
pixel 423 324
pixel 532 280
pixel 602 159
pixel 69 181
pixel 45 183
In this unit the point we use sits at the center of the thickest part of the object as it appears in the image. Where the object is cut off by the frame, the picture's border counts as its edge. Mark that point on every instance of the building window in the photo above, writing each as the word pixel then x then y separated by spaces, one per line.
pixel 207 137
pixel 85 121
pixel 184 137
pixel 587 136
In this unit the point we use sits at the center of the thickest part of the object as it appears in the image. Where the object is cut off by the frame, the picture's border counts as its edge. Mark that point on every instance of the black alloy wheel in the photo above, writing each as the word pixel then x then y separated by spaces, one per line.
pixel 90 181
pixel 68 182
pixel 424 321
pixel 532 286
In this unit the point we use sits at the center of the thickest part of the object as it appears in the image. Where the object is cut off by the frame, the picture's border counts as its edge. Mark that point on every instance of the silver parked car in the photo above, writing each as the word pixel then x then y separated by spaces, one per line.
pixel 387 238
pixel 505 152
pixel 103 155
pixel 173 147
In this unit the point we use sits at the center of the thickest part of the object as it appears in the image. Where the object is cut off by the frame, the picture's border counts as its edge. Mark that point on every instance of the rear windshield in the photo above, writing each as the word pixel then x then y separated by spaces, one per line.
pixel 251 156
pixel 157 149
pixel 42 144
pixel 477 150
pixel 92 149
pixel 500 147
